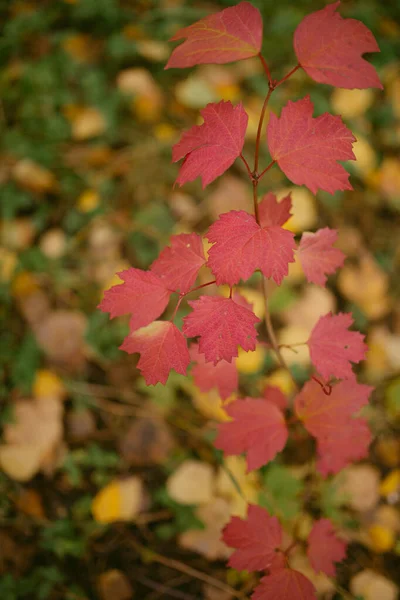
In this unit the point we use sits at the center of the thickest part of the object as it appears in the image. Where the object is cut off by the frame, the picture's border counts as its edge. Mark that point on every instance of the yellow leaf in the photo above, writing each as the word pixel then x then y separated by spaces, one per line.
pixel 281 379
pixel 120 500
pixel 251 362
pixel 20 462
pixel 87 122
pixel 47 383
pixel 210 404
pixel 381 538
pixel 304 213
pixel 373 586
pixel 391 484
pixel 88 201
pixel 191 483
pixel 351 103
pixel 34 177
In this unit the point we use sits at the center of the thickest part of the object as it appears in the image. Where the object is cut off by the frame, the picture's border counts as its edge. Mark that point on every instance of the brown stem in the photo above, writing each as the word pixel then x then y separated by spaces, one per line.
pixel 246 164
pixel 287 76
pixel 265 67
pixel 259 130
pixel 261 175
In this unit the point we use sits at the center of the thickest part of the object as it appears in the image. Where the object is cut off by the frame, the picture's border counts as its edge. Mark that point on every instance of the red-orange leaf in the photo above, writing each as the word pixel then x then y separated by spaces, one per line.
pixel 324 415
pixel 241 246
pixel 177 265
pixel 143 295
pixel 272 212
pixel 285 584
pixel 222 325
pixel 333 348
pixel 307 149
pixel 255 539
pixel 211 148
pixel 162 347
pixel 317 255
pixel 330 49
pixel 231 34
pixel 325 548
pixel 343 446
pixel 258 428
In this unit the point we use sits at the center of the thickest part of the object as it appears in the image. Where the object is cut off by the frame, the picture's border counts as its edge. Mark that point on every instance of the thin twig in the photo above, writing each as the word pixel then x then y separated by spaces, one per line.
pixel 259 129
pixel 246 164
pixel 287 76
pixel 265 67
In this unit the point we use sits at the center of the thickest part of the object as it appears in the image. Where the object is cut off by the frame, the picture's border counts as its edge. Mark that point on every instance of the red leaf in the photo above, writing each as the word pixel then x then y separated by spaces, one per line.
pixel 325 548
pixel 324 415
pixel 273 394
pixel 143 293
pixel 347 444
pixel 330 49
pixel 307 149
pixel 241 246
pixel 258 428
pixel 317 256
pixel 177 266
pixel 255 539
pixel 285 584
pixel 222 325
pixel 223 376
pixel 211 148
pixel 162 347
pixel 231 34
pixel 273 212
pixel 333 348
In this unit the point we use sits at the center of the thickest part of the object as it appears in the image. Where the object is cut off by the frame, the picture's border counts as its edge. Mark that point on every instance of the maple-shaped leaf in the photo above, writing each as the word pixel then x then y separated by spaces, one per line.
pixel 345 445
pixel 231 34
pixel 272 212
pixel 317 255
pixel 285 584
pixel 223 375
pixel 255 539
pixel 307 149
pixel 330 49
pixel 143 295
pixel 177 265
pixel 211 148
pixel 324 415
pixel 162 347
pixel 325 548
pixel 222 325
pixel 333 347
pixel 258 428
pixel 240 246
pixel 276 396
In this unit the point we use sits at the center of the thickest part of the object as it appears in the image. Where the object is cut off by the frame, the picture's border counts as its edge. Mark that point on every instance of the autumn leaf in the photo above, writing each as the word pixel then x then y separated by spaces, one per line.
pixel 162 347
pixel 258 428
pixel 231 34
pixel 206 375
pixel 143 295
pixel 330 49
pixel 344 445
pixel 272 212
pixel 333 347
pixel 324 415
pixel 325 548
pixel 241 245
pixel 254 539
pixel 317 255
pixel 222 325
pixel 285 584
pixel 307 149
pixel 210 149
pixel 177 265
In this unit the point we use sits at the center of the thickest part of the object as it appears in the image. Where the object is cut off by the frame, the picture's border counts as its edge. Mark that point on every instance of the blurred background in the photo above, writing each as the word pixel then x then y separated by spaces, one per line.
pixel 110 490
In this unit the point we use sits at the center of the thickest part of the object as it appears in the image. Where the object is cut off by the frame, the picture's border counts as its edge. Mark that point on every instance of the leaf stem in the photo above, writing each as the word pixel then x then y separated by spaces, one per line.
pixel 259 130
pixel 261 175
pixel 181 296
pixel 265 67
pixel 246 164
pixel 287 76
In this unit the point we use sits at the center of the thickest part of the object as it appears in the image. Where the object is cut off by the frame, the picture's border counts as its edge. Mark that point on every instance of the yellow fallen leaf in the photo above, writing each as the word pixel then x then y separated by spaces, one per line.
pixel 256 299
pixel 33 177
pixel 359 484
pixel 53 243
pixel 165 132
pixel 366 158
pixel 391 484
pixel 20 462
pixel 351 103
pixel 207 541
pixel 373 586
pixel 210 403
pixel 304 212
pixel 81 47
pixel 248 483
pixel 251 362
pixel 191 483
pixel 87 122
pixel 88 201
pixel 120 500
pixel 24 284
pixel 8 262
pixel 281 378
pixel 381 538
pixel 48 383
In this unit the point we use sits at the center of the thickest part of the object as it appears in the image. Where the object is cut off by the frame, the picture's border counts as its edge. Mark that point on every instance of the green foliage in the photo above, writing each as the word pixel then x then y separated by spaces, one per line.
pixel 281 492
pixel 183 516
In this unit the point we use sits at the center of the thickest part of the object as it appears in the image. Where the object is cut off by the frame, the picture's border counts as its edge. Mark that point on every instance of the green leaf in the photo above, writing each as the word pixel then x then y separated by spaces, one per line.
pixel 26 364
pixel 280 492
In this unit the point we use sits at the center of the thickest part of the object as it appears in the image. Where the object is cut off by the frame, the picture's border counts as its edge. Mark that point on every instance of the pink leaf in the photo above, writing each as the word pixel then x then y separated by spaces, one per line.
pixel 307 149
pixel 324 415
pixel 347 444
pixel 177 266
pixel 241 246
pixel 222 325
pixel 223 375
pixel 143 294
pixel 317 256
pixel 258 428
pixel 330 49
pixel 255 539
pixel 231 34
pixel 333 348
pixel 273 394
pixel 162 347
pixel 273 212
pixel 211 148
pixel 285 584
pixel 325 548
